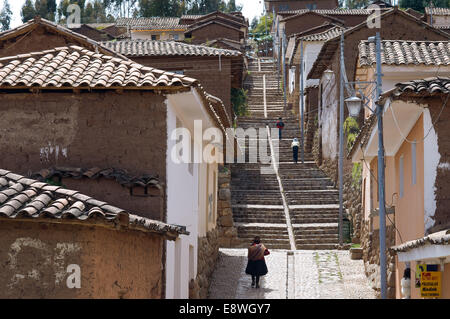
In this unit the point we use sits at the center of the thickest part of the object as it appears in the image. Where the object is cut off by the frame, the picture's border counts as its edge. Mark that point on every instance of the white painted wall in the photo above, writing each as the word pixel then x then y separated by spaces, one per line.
pixel 311 50
pixel 431 165
pixel 182 209
pixel 164 36
pixel 329 119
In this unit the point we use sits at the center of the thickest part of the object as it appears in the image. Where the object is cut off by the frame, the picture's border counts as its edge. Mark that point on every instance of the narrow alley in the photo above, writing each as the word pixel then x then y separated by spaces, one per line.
pixel 292 207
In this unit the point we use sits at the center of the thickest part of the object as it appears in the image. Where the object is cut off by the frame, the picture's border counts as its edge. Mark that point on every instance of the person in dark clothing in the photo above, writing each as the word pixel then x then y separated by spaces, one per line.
pixel 280 126
pixel 256 266
pixel 295 146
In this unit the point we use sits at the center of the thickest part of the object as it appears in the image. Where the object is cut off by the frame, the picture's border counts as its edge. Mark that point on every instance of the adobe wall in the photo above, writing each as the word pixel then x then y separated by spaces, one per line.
pixel 39 39
pixel 150 206
pixel 34 258
pixel 205 69
pixel 304 22
pixel 442 184
pixel 106 130
pixel 215 31
pixel 296 5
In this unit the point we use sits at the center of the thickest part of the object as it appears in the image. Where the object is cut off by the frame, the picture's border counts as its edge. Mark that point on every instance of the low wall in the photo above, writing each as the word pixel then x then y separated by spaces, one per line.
pixel 56 260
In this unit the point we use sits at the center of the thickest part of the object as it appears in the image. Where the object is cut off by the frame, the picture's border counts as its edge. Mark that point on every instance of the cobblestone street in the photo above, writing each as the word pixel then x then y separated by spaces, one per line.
pixel 305 274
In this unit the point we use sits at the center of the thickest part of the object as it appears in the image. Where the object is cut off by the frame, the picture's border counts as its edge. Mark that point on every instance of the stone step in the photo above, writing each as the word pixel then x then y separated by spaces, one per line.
pixel 316 246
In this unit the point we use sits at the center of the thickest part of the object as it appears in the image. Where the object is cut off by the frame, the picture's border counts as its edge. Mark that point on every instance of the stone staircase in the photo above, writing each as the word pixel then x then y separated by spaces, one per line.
pixel 257 202
pixel 312 199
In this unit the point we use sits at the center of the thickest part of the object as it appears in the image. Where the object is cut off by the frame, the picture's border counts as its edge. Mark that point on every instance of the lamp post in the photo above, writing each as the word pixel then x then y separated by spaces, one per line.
pixel 302 104
pixel 354 108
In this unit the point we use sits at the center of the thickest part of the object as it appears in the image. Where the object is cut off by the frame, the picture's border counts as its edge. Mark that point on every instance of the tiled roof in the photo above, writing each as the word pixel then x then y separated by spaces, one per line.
pixel 191 16
pixel 158 48
pixel 311 12
pixel 236 45
pixel 24 198
pixel 119 175
pixel 78 67
pixel 438 11
pixel 406 52
pixel 330 11
pixel 418 88
pixel 331 47
pixel 439 238
pixel 323 36
pixel 425 86
pixel 152 23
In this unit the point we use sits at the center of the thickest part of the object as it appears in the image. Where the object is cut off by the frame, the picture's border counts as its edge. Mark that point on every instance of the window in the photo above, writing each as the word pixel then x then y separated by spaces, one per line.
pixel 413 164
pixel 401 174
pixel 311 6
pixel 191 162
pixel 176 37
pixel 283 7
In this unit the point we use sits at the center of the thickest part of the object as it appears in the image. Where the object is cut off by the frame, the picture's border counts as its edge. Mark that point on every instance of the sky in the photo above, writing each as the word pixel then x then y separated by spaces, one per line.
pixel 251 9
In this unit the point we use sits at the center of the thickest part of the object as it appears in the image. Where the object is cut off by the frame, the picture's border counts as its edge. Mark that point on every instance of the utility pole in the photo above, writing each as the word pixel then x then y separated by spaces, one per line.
pixel 267 45
pixel 283 59
pixel 302 102
pixel 341 143
pixel 381 172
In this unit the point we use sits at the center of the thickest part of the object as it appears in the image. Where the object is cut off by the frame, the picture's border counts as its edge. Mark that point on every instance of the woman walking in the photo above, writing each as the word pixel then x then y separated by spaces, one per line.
pixel 256 266
pixel 295 146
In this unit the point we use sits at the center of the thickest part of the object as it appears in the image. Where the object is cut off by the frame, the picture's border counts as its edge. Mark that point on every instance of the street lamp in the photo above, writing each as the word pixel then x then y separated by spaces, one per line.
pixel 328 74
pixel 354 107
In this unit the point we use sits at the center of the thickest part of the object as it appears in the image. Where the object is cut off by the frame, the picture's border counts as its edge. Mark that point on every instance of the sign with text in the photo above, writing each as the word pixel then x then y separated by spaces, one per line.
pixel 430 284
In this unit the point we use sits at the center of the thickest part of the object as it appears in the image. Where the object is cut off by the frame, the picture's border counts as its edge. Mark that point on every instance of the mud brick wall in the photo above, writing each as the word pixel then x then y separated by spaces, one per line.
pixel 39 39
pixel 34 258
pixel 296 5
pixel 304 23
pixel 442 184
pixel 117 195
pixel 215 31
pixel 215 77
pixel 107 129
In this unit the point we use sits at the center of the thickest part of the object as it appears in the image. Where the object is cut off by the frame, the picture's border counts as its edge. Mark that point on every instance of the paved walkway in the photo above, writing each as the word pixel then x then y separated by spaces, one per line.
pixel 304 274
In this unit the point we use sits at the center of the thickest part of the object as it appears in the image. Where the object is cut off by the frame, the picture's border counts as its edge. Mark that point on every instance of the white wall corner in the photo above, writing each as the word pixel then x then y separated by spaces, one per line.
pixel 431 165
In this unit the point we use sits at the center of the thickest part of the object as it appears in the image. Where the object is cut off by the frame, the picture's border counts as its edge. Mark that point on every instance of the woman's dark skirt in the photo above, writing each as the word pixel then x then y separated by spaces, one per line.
pixel 256 268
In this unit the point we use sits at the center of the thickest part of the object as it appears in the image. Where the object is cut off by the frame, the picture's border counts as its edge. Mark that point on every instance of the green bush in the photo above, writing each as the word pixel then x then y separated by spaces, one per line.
pixel 351 129
pixel 356 176
pixel 239 101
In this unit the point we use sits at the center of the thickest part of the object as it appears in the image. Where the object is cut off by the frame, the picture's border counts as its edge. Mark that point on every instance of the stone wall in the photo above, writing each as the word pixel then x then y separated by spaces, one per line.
pixel 227 231
pixel 208 252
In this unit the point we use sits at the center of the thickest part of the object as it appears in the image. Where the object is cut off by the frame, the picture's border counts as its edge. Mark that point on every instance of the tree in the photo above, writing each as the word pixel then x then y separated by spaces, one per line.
pixel 206 6
pixel 94 11
pixel 5 16
pixel 419 5
pixel 357 4
pixel 160 8
pixel 28 11
pixel 44 8
pixel 232 7
pixel 259 28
